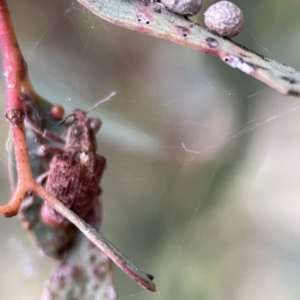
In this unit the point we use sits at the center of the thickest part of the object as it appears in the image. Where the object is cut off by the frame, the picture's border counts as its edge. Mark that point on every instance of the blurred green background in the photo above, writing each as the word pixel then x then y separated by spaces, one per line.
pixel 202 188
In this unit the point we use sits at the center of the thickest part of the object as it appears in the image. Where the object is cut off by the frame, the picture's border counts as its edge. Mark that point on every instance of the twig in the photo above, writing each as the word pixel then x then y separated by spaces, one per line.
pixel 96 238
pixel 14 66
pixel 15 70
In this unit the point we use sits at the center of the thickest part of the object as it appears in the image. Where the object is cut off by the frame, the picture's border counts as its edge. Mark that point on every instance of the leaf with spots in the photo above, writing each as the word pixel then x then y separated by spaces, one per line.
pixel 86 273
pixel 152 18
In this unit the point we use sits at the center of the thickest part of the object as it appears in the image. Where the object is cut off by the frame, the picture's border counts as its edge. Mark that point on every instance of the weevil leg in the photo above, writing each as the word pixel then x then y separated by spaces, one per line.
pixel 43 150
pixel 41 178
pixel 33 120
pixel 30 199
pixel 44 132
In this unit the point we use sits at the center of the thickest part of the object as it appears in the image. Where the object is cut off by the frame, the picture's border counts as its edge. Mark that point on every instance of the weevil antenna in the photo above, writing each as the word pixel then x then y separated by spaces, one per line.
pixel 92 108
pixel 102 101
pixel 65 119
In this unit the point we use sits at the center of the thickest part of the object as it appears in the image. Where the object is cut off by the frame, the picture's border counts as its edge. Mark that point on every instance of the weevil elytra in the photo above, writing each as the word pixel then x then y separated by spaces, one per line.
pixel 76 170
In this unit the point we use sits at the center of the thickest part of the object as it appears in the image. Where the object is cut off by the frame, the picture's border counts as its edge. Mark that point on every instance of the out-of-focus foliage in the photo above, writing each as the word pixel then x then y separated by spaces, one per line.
pixel 202 187
pixel 86 274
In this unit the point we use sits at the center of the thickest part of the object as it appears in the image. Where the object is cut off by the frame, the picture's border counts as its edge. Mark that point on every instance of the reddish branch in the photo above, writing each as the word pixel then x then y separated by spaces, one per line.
pixel 15 71
pixel 16 82
pixel 14 66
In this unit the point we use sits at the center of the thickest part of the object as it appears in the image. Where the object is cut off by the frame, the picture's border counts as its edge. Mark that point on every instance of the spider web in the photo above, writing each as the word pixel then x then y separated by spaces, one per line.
pixel 202 186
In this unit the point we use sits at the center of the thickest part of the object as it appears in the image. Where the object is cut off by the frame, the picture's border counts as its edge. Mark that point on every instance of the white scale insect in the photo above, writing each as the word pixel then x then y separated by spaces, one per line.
pixel 223 17
pixel 183 7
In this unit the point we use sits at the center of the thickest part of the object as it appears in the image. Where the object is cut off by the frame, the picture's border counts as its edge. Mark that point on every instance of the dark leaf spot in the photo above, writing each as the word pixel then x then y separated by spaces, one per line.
pixel 183 30
pixel 211 42
pixel 288 79
pixel 294 93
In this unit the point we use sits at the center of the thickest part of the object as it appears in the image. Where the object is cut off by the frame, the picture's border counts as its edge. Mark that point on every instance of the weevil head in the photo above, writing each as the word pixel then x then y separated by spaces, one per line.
pixel 81 135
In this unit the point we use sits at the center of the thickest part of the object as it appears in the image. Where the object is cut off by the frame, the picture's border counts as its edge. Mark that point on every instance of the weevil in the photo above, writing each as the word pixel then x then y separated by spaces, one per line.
pixel 73 176
pixel 76 170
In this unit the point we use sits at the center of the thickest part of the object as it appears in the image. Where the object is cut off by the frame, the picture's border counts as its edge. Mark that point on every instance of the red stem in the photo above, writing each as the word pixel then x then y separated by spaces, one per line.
pixel 15 68
pixel 15 71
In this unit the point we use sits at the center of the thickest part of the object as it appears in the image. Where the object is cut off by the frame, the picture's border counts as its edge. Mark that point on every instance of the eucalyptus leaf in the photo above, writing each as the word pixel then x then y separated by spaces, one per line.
pixel 150 17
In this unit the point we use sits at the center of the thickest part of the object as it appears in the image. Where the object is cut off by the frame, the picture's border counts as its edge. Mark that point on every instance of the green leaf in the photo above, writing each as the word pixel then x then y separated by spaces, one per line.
pixel 86 273
pixel 150 18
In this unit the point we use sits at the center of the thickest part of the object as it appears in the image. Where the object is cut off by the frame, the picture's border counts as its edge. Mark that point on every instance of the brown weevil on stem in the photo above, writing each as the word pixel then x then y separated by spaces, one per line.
pixel 76 170
pixel 61 207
